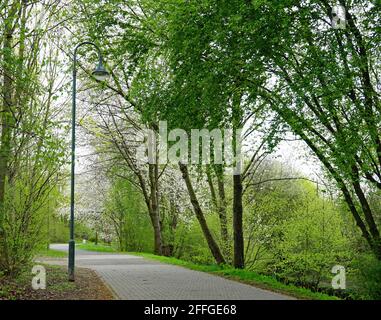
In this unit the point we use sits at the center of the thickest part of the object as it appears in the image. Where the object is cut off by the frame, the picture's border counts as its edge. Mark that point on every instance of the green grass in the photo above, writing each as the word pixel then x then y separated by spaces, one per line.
pixel 95 247
pixel 244 276
pixel 51 253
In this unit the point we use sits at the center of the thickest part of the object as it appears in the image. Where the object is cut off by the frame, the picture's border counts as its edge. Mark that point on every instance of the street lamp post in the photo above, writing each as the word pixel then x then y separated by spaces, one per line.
pixel 100 74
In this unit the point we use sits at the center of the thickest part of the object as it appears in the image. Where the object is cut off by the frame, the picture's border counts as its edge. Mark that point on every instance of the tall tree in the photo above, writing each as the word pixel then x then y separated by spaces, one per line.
pixel 213 246
pixel 30 153
pixel 319 79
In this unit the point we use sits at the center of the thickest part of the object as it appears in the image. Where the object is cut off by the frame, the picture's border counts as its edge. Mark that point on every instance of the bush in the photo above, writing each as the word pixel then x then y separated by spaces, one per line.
pixel 310 242
pixel 366 274
pixel 191 244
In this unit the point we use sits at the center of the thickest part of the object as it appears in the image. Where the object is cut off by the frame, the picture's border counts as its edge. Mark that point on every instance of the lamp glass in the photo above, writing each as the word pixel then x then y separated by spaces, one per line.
pixel 100 73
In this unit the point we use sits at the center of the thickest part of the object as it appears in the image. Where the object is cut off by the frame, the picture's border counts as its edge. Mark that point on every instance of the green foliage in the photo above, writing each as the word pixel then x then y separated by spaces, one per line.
pixel 191 243
pixel 82 231
pixel 31 153
pixel 281 54
pixel 24 224
pixel 51 253
pixel 96 247
pixel 366 278
pixel 204 64
pixel 267 208
pixel 124 209
pixel 59 230
pixel 295 234
pixel 312 242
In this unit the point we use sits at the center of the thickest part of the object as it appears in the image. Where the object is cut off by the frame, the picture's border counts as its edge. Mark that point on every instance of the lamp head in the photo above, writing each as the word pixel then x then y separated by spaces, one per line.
pixel 100 73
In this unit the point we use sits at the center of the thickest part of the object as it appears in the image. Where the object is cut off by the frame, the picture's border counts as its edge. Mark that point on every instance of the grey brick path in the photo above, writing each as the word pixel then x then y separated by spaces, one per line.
pixel 136 278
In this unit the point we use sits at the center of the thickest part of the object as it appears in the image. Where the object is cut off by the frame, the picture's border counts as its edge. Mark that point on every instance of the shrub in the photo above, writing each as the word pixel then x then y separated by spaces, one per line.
pixel 366 274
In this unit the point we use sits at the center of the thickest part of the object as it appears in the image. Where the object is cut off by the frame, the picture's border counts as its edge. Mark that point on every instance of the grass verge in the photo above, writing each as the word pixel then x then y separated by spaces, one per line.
pixel 51 253
pixel 95 247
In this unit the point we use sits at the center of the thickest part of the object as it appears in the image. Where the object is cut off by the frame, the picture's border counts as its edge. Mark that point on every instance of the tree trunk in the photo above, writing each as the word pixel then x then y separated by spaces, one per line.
pixel 157 234
pixel 222 213
pixel 154 208
pixel 6 125
pixel 237 223
pixel 238 259
pixel 213 246
pixel 220 205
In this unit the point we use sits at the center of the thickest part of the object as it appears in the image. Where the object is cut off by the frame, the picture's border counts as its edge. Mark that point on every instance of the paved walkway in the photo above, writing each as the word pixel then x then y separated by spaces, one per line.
pixel 136 278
